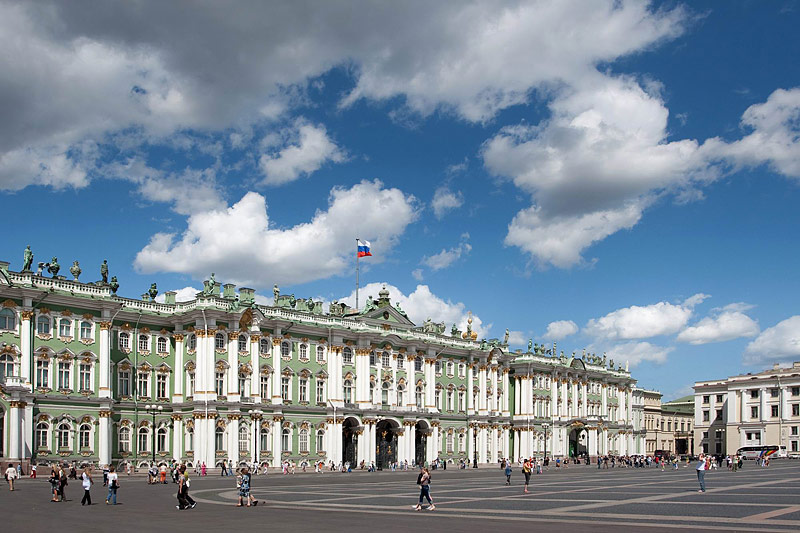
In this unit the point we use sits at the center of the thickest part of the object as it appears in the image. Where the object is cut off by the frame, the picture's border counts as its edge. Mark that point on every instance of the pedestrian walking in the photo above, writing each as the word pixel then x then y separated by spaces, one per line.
pixel 86 482
pixel 113 486
pixel 11 475
pixel 55 483
pixel 62 486
pixel 702 466
pixel 184 500
pixel 508 474
pixel 424 482
pixel 245 497
pixel 203 469
pixel 33 471
pixel 526 471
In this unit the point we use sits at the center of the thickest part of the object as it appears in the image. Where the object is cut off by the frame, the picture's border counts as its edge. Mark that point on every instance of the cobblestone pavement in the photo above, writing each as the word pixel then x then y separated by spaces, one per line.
pixel 580 498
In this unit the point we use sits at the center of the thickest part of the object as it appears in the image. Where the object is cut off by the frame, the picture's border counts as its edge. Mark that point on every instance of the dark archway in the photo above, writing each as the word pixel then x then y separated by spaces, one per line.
pixel 577 442
pixel 385 443
pixel 421 431
pixel 350 441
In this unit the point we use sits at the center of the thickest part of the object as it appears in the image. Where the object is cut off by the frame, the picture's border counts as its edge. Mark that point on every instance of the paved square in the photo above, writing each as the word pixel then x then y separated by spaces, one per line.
pixel 580 498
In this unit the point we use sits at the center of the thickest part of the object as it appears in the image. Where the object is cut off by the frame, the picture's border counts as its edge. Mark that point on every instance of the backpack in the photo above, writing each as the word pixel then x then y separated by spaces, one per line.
pixel 419 479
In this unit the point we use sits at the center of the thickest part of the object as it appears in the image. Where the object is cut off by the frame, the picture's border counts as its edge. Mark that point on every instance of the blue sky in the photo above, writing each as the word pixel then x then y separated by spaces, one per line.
pixel 615 176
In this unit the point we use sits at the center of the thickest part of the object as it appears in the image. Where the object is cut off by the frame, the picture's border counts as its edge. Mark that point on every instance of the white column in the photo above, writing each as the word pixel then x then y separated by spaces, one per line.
pixel 362 378
pixel 564 398
pixel 604 401
pixel 553 396
pixel 430 383
pixel 411 441
pixel 517 395
pixel 762 410
pixel 372 442
pixel 402 446
pixel 411 385
pixel 506 407
pixel 177 438
pixel 743 403
pixel 104 437
pixel 276 385
pixel 25 348
pixel 482 391
pixel 233 439
pixel 493 382
pixel 14 430
pixel 470 442
pixel 784 406
pixel 277 457
pixel 104 366
pixel 178 375
pixel 470 378
pixel 592 436
pixel 255 376
pixel 584 400
pixel 233 370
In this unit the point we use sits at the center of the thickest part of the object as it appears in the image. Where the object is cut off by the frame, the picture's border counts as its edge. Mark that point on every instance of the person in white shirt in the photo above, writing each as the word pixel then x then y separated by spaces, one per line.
pixel 11 475
pixel 701 467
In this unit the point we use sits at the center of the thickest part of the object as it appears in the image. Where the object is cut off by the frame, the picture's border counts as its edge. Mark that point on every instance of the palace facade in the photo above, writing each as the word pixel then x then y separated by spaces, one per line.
pixel 90 376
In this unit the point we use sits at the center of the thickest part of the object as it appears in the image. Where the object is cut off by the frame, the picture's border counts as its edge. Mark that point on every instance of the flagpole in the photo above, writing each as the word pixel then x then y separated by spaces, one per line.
pixel 357 274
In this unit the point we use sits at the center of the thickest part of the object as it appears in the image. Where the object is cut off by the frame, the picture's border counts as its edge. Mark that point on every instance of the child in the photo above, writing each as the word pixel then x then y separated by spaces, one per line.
pixel 508 473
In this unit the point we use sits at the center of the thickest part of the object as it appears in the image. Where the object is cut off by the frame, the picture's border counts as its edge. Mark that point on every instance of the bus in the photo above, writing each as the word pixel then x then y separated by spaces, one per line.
pixel 757 452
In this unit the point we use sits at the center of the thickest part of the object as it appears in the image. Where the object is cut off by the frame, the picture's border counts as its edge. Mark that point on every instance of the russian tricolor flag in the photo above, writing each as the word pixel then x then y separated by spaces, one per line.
pixel 363 248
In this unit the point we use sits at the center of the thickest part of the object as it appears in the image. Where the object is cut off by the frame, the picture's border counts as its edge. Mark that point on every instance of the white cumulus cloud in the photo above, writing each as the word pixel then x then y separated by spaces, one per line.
pixel 307 147
pixel 640 322
pixel 560 329
pixel 634 353
pixel 726 324
pixel 185 294
pixel 445 200
pixel 779 343
pixel 447 257
pixel 241 244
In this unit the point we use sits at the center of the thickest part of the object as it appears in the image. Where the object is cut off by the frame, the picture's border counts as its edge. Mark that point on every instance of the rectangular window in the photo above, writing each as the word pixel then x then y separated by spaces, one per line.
pixel 796 409
pixel 42 373
pixel 795 391
pixel 285 389
pixel 794 430
pixel 461 400
pixel 84 377
pixel 705 416
pixel 794 446
pixel 754 412
pixel 754 393
pixel 774 393
pixel 124 384
pixel 719 414
pixel 719 398
pixel 43 325
pixel 264 388
pixel 161 386
pixel 219 383
pixel 320 391
pixel 63 375
pixel 143 385
pixel 774 409
pixel 144 343
pixel 64 328
pixel 86 330
pixel 705 434
pixel 190 392
pixel 303 386
pixel 242 385
pixel 706 399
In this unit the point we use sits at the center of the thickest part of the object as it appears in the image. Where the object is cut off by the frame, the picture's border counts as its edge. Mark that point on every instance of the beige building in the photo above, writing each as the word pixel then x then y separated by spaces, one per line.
pixel 748 410
pixel 668 426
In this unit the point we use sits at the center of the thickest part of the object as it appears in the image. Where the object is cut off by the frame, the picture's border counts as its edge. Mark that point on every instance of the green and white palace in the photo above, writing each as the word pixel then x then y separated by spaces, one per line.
pixel 89 376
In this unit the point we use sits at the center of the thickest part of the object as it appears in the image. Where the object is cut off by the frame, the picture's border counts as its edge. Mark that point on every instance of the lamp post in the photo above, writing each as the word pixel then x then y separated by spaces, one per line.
pixel 154 409
pixel 545 426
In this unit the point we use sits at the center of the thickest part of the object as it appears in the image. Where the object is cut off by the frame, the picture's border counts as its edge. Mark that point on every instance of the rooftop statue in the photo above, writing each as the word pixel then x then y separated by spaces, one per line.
pixel 27 259
pixel 611 364
pixel 530 345
pixel 114 285
pixel 54 267
pixel 153 292
pixel 399 310
pixel 275 293
pixel 505 337
pixel 212 281
pixel 454 330
pixel 370 305
pixel 483 344
pixel 75 270
pixel 104 271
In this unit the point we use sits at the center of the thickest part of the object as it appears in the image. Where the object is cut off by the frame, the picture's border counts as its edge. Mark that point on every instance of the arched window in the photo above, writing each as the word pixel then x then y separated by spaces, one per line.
pixel 62 435
pixel 242 343
pixel 190 439
pixel 124 439
pixel 143 443
pixel 43 325
pixel 304 351
pixel 285 351
pixel 418 396
pixel 65 328
pixel 265 390
pixel 450 368
pixel 400 393
pixel 320 354
pixel 372 392
pixel 244 439
pixel 219 439
pixel 7 365
pixel 371 358
pixel 418 364
pixel 385 360
pixel 162 345
pixel 192 344
pixel 347 355
pixel 124 341
pixel 449 399
pixel 399 362
pixel 161 439
pixel 42 438
pixel 219 341
pixel 8 319
pixel 320 440
pixel 449 445
pixel 303 441
pixel 219 382
pixel 385 393
pixel 437 367
pixel 265 440
pixel 86 330
pixel 83 436
pixel 263 346
pixel 348 391
pixel 144 343
pixel 286 438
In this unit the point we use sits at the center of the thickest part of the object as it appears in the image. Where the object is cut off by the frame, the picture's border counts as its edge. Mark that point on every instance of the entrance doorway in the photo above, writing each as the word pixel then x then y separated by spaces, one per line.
pixel 577 442
pixel 350 441
pixel 421 431
pixel 386 443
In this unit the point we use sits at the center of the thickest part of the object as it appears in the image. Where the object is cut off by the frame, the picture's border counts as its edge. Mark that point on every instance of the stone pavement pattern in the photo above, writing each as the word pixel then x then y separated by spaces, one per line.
pixel 580 498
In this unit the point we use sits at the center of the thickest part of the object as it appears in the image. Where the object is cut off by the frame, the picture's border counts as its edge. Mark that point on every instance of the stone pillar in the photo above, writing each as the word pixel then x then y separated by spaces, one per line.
pixel 277 456
pixel 553 396
pixel 233 438
pixel 25 349
pixel 233 364
pixel 591 435
pixel 493 384
pixel 482 409
pixel 177 437
pixel 784 406
pixel 604 401
pixel 584 400
pixel 402 446
pixel 742 403
pixel 470 378
pixel 276 381
pixel 430 383
pixel 433 442
pixel 372 442
pixel 482 443
pixel 104 362
pixel 564 399
pixel 411 440
pixel 517 395
pixel 14 438
pixel 255 375
pixel 178 374
pixel 762 410
pixel 506 401
pixel 104 437
pixel 362 378
pixel 411 384
pixel 334 366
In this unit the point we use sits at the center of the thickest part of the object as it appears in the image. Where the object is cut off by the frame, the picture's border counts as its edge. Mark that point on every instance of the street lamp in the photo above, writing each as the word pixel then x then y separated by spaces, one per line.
pixel 545 426
pixel 154 410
